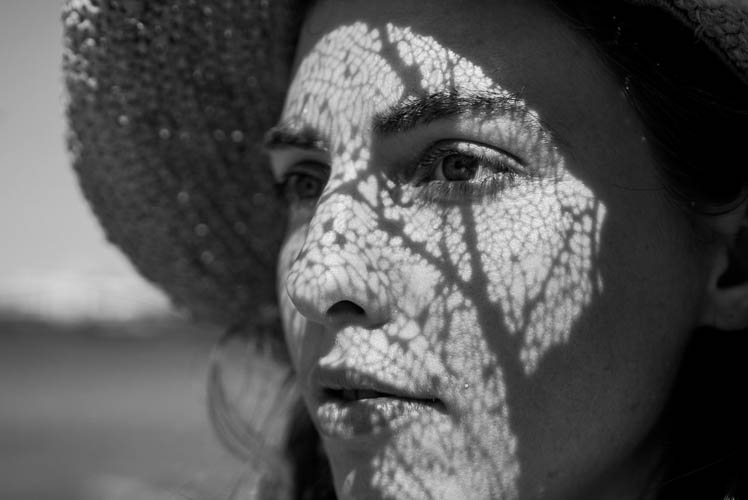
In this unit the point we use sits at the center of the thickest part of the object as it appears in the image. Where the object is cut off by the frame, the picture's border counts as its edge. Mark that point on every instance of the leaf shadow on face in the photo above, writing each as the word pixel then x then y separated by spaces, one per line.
pixel 475 293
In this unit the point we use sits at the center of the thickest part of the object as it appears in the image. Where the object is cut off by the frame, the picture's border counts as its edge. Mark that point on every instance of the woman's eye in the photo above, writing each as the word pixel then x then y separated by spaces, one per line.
pixel 303 183
pixel 456 167
pixel 303 186
pixel 466 163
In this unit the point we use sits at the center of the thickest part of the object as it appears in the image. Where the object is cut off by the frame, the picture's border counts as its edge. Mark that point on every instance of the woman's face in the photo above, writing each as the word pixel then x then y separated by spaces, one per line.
pixel 485 290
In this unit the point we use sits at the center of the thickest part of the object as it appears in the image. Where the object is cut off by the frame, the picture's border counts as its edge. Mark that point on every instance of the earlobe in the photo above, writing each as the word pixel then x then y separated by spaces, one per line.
pixel 726 306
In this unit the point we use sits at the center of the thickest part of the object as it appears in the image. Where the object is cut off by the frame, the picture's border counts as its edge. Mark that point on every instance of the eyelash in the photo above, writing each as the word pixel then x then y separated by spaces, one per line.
pixel 499 171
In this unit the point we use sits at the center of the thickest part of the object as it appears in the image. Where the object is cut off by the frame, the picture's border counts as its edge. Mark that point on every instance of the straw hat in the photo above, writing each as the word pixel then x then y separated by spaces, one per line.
pixel 723 24
pixel 168 100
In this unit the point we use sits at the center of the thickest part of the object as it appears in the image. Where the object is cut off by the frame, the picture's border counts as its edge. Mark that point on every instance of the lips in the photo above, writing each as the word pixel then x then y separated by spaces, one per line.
pixel 353 405
pixel 353 394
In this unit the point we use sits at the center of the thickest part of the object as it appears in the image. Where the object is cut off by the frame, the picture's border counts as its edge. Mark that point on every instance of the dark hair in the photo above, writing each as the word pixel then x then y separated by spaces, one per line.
pixel 696 113
pixel 271 433
pixel 693 104
pixel 695 109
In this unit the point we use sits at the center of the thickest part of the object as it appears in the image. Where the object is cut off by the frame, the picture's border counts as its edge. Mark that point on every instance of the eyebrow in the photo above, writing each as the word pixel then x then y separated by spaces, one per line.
pixel 413 113
pixel 422 110
pixel 290 135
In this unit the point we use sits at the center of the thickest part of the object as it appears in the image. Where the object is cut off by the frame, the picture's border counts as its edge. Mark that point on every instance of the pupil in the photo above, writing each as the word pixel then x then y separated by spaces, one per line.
pixel 307 187
pixel 459 167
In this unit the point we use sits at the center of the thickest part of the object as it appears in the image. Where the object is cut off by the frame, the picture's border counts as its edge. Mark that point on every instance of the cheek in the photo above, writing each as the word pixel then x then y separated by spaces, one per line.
pixel 653 275
pixel 292 321
pixel 491 288
pixel 538 254
pixel 605 389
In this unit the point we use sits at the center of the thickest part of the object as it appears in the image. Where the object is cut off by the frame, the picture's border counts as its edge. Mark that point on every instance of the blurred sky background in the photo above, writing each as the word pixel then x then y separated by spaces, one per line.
pixel 53 256
pixel 102 389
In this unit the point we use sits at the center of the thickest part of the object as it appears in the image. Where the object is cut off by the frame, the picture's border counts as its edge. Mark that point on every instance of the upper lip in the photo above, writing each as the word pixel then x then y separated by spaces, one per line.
pixel 330 380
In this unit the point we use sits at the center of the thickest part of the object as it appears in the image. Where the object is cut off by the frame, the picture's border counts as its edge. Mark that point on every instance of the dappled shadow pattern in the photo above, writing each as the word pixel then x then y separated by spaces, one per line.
pixel 463 291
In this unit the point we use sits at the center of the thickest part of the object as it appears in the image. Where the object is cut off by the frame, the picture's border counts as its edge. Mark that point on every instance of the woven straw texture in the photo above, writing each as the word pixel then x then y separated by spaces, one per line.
pixel 723 24
pixel 168 100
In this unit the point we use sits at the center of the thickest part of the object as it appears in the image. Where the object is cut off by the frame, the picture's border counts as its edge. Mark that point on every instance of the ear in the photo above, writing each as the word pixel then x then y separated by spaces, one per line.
pixel 726 306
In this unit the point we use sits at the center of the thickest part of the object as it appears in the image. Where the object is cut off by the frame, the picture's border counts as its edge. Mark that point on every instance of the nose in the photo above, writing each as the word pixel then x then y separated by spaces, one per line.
pixel 334 280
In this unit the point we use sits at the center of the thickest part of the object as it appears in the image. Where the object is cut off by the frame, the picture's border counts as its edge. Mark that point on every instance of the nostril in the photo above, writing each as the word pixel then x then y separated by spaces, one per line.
pixel 345 308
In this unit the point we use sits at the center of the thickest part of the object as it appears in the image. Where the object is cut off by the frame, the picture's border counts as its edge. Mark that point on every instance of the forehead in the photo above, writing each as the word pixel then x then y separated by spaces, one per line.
pixel 389 50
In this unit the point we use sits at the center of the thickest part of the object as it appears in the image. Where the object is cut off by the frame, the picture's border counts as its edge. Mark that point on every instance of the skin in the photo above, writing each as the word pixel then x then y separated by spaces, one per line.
pixel 546 315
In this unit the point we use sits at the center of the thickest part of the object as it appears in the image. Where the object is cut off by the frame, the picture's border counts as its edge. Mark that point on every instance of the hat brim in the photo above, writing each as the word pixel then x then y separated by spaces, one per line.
pixel 167 102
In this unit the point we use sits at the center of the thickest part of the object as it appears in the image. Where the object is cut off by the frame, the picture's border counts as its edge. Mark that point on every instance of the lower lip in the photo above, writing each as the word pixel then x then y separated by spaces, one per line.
pixel 370 418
